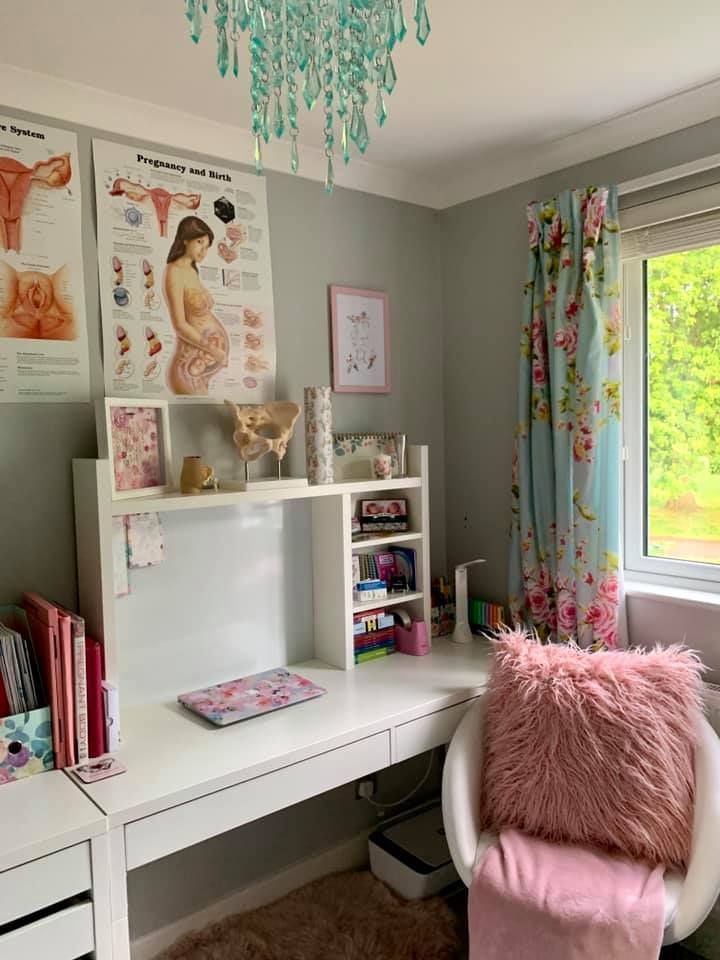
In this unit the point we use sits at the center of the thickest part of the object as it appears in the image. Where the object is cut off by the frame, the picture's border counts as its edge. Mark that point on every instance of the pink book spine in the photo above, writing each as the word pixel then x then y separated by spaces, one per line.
pixel 80 676
pixel 96 713
pixel 67 687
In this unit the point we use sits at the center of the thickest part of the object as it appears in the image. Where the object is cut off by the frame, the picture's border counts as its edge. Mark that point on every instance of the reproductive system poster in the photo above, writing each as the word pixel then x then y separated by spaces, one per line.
pixel 185 278
pixel 43 325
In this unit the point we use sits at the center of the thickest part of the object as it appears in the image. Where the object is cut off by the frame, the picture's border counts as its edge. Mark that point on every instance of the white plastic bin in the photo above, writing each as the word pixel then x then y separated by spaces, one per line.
pixel 411 855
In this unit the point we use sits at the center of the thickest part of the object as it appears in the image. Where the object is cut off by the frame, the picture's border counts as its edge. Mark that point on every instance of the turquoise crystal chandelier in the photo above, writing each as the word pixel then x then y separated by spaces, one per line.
pixel 337 52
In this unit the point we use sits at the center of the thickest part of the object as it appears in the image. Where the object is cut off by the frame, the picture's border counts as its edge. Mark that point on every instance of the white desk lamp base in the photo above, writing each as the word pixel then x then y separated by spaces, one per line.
pixel 462 632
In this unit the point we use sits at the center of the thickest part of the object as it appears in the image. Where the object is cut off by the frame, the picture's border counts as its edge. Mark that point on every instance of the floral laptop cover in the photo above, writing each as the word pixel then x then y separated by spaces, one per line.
pixel 249 697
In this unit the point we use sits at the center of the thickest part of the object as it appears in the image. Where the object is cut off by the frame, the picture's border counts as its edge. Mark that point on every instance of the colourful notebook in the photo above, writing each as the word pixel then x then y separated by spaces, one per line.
pixel 250 696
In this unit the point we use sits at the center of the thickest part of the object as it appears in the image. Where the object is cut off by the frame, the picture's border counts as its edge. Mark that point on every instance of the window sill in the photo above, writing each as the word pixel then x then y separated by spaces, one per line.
pixel 674 595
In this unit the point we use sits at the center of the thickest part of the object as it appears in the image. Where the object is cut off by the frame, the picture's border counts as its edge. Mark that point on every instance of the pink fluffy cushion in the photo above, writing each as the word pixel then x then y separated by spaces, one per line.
pixel 593 748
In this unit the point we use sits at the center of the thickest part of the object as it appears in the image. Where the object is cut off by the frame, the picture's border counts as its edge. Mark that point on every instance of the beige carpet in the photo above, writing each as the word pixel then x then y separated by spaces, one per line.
pixel 347 916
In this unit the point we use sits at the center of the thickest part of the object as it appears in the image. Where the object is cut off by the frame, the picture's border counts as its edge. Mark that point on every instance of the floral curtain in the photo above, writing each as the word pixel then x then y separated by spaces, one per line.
pixel 564 576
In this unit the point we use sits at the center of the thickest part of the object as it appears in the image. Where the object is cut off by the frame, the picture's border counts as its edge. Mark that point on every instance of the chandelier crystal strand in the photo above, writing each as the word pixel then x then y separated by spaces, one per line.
pixel 337 50
pixel 389 16
pixel 223 49
pixel 423 22
pixel 342 63
pixel 359 18
pixel 327 15
pixel 235 34
pixel 292 30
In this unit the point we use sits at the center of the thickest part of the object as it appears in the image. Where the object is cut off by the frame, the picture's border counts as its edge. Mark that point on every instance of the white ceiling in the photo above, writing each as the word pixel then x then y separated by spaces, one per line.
pixel 496 83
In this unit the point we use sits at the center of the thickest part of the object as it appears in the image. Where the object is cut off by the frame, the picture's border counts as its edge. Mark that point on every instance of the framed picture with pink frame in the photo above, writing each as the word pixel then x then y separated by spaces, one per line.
pixel 360 324
pixel 135 437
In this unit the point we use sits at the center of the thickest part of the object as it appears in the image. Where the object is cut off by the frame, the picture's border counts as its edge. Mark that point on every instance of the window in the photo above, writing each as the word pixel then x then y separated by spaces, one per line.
pixel 671 277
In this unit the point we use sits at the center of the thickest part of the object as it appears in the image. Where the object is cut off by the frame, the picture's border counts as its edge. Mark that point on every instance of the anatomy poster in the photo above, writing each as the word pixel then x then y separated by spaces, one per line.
pixel 185 278
pixel 43 327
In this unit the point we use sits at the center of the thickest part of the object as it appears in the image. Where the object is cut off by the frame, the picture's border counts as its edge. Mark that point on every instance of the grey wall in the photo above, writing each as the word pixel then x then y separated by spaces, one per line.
pixel 484 244
pixel 349 238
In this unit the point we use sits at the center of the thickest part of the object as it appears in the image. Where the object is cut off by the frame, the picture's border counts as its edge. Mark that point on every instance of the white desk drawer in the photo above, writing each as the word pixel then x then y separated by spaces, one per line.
pixel 428 732
pixel 65 935
pixel 179 827
pixel 41 883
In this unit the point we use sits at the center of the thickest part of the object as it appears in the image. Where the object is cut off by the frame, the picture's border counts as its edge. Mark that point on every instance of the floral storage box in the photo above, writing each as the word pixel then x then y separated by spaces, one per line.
pixel 25 745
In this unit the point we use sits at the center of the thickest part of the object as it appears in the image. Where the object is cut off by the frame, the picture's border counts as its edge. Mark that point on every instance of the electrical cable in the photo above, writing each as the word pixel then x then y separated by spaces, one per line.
pixel 397 803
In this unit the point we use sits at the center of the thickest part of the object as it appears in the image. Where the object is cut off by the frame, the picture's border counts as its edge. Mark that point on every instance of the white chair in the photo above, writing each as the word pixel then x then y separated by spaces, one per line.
pixel 688 898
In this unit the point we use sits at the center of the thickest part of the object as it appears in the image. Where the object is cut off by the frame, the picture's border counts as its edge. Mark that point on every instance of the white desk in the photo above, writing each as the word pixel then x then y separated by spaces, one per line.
pixel 187 781
pixel 53 846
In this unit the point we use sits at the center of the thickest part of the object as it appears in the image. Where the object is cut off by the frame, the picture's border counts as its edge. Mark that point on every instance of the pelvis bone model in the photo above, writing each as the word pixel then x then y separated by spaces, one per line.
pixel 263 428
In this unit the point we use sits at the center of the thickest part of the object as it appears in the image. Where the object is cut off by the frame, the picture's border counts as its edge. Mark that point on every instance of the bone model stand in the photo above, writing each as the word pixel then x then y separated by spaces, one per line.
pixel 462 632
pixel 265 428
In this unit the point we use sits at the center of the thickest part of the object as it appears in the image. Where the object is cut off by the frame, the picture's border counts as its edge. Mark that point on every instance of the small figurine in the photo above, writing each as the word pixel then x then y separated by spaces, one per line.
pixel 212 482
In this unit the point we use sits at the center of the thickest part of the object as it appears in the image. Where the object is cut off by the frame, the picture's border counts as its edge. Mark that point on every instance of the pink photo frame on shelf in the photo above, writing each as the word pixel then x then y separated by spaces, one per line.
pixel 135 437
pixel 360 323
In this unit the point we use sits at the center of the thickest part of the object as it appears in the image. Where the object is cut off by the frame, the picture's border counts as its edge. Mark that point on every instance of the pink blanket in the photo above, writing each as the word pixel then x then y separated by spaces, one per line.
pixel 532 900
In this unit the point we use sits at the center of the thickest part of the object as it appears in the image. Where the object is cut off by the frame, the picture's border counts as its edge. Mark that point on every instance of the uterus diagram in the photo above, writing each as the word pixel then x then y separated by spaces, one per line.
pixel 160 198
pixel 16 181
pixel 35 305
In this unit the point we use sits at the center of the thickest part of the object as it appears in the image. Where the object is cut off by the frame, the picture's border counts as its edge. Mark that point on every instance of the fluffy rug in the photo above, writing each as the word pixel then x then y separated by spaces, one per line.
pixel 347 916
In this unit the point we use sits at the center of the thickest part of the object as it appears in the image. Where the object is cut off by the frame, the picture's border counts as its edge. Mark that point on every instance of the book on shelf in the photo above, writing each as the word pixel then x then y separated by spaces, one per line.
pixel 20 690
pixel 79 684
pixel 385 564
pixel 95 703
pixel 67 685
pixel 374 654
pixel 45 632
pixel 377 639
pixel 373 635
pixel 72 668
pixel 369 620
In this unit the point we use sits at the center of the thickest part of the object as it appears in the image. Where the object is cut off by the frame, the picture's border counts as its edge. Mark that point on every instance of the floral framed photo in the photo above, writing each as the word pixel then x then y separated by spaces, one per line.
pixel 137 443
pixel 360 322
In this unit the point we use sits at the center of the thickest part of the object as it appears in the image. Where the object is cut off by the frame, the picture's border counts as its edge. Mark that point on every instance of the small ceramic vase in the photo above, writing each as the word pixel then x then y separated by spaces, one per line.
pixel 194 474
pixel 382 466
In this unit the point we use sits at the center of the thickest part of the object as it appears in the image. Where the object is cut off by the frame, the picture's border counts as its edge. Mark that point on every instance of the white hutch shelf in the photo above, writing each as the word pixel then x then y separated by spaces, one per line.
pixel 331 507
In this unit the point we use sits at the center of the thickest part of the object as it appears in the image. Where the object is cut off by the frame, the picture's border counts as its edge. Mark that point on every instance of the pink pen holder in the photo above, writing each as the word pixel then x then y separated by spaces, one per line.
pixel 414 641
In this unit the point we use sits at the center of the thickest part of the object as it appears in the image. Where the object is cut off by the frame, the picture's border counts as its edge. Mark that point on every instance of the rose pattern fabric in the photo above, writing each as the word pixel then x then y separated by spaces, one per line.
pixel 136 447
pixel 564 561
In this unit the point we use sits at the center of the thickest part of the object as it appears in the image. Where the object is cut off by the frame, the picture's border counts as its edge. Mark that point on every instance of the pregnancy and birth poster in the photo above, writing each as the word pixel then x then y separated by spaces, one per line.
pixel 43 325
pixel 185 278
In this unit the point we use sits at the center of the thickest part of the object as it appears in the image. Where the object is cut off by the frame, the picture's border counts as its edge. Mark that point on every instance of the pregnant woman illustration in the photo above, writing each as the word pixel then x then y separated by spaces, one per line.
pixel 202 346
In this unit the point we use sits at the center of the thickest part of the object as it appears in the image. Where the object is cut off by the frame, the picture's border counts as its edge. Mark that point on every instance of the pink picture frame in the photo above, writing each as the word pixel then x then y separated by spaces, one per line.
pixel 360 329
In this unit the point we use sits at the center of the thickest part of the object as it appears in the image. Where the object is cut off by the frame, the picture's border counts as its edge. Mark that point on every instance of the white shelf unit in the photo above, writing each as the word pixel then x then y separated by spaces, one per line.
pixel 332 507
pixel 389 539
pixel 393 600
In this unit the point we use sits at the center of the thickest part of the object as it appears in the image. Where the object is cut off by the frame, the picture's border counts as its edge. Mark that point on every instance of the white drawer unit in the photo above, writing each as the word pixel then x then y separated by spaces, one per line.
pixel 64 935
pixel 189 823
pixel 429 731
pixel 44 882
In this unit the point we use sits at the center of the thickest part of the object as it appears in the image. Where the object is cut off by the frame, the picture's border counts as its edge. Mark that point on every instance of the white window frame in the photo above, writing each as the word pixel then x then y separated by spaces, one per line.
pixel 637 564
